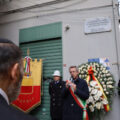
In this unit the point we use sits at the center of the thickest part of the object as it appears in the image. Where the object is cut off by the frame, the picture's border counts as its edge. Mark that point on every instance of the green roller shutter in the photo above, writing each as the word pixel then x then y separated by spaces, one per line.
pixel 48 50
pixel 44 42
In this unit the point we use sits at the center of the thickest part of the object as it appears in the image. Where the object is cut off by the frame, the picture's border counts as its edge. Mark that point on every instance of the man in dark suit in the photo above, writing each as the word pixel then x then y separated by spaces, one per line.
pixel 71 110
pixel 11 73
pixel 56 101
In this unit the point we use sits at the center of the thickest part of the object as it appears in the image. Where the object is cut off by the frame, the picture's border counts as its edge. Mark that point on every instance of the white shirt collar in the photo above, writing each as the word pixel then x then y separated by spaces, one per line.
pixel 4 95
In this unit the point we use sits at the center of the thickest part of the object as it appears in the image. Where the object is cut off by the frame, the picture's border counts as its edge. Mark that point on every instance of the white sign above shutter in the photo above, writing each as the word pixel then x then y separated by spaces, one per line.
pixel 94 25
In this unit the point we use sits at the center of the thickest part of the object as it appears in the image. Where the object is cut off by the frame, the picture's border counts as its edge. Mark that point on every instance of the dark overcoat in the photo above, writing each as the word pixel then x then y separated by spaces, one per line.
pixel 7 112
pixel 71 110
pixel 56 100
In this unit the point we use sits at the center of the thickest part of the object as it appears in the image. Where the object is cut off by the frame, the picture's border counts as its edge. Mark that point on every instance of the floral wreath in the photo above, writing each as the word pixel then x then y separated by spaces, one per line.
pixel 100 83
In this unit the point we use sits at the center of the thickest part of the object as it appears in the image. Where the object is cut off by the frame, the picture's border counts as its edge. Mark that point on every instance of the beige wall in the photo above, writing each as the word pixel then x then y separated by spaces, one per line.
pixel 51 9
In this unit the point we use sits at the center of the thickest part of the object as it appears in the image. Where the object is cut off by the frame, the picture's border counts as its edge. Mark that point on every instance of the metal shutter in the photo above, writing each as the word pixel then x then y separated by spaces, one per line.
pixel 48 50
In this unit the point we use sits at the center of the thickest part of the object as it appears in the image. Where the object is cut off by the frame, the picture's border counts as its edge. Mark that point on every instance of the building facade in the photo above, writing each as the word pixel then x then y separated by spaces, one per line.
pixel 63 34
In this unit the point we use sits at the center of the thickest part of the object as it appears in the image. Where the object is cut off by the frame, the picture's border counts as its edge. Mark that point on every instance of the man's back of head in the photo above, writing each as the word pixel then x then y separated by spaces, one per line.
pixel 11 73
pixel 10 68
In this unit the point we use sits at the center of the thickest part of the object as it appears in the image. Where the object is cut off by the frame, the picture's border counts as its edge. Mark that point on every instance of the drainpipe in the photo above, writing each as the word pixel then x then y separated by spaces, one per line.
pixel 116 30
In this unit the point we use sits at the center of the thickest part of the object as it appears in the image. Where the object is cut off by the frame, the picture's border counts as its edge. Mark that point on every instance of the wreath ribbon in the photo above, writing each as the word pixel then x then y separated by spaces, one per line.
pixel 91 75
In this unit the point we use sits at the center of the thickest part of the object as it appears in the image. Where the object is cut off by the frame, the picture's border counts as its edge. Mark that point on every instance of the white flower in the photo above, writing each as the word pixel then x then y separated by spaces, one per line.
pixel 90 63
pixel 110 86
pixel 82 72
pixel 105 79
pixel 101 69
pixel 104 75
pixel 103 83
pixel 106 71
pixel 104 101
pixel 95 74
pixel 97 69
pixel 99 93
pixel 98 105
pixel 97 87
pixel 107 93
pixel 94 91
pixel 110 82
pixel 93 83
pixel 96 97
pixel 101 75
pixel 84 69
pixel 104 86
pixel 87 101
pixel 91 99
pixel 91 107
pixel 88 66
pixel 105 89
pixel 102 107
pixel 104 68
pixel 100 72
pixel 93 102
pixel 98 77
pixel 83 76
pixel 108 74
pixel 110 78
pixel 90 89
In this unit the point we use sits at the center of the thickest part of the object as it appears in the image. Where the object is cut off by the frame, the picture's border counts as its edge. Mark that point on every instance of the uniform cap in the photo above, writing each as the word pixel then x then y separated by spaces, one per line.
pixel 56 73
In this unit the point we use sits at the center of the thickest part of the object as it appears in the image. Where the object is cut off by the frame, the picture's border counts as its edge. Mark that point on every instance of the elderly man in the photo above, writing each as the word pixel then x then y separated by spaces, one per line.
pixel 75 93
pixel 56 101
pixel 11 73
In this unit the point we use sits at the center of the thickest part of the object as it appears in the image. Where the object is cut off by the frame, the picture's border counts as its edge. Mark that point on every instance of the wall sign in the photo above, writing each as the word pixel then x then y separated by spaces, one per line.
pixel 95 25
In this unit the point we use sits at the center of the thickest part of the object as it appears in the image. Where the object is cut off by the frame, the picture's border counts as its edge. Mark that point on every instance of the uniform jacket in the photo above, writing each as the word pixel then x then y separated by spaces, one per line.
pixel 71 110
pixel 56 101
pixel 9 113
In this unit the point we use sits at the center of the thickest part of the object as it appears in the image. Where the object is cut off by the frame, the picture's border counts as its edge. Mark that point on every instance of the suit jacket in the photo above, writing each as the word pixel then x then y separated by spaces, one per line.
pixel 56 101
pixel 71 110
pixel 7 112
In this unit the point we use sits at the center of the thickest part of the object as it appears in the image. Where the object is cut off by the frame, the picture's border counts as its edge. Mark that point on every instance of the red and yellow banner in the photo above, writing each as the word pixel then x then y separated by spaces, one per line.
pixel 30 94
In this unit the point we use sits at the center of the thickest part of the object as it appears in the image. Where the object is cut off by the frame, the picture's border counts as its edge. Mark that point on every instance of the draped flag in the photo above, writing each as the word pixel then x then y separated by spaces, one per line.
pixel 30 93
